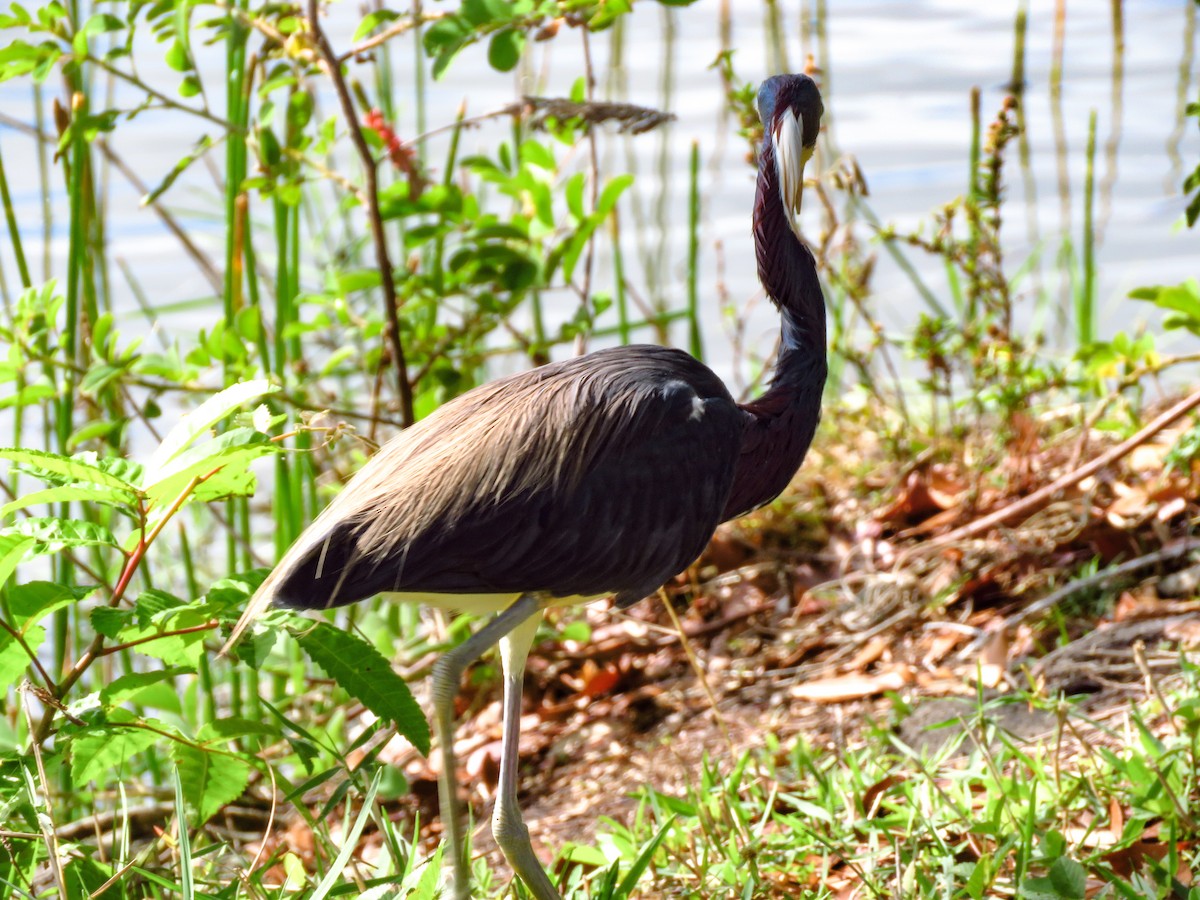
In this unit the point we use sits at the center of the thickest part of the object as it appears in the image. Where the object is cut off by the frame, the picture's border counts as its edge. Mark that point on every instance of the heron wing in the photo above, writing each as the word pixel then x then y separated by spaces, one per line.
pixel 602 474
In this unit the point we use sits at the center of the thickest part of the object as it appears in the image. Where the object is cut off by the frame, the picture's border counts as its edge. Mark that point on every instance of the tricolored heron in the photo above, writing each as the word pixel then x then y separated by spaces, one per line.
pixel 603 475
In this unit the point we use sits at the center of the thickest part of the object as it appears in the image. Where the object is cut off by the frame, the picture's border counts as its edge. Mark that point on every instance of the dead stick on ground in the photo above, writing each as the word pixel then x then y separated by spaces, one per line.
pixel 1039 498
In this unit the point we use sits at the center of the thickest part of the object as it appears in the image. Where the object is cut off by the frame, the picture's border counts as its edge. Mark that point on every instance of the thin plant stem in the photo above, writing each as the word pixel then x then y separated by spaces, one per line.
pixel 695 343
pixel 371 174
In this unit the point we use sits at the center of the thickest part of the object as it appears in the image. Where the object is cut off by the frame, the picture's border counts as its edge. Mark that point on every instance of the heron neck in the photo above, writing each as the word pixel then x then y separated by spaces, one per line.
pixel 789 275
pixel 784 418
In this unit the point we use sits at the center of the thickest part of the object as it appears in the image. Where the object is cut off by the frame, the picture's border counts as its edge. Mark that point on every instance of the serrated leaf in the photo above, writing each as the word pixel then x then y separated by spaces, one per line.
pixel 128 687
pixel 109 622
pixel 33 601
pixel 106 749
pixel 59 533
pixel 70 493
pixel 197 422
pixel 225 460
pixel 363 673
pixel 13 548
pixel 14 660
pixel 71 468
pixel 210 779
pixel 1068 878
pixel 233 727
pixel 170 648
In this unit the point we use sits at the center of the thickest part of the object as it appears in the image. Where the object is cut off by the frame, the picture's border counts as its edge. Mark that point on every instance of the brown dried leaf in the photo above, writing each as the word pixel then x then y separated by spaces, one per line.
pixel 872 795
pixel 841 688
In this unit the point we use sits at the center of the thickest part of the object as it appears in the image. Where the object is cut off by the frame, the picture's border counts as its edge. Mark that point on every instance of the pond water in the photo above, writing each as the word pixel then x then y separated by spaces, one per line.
pixel 897 79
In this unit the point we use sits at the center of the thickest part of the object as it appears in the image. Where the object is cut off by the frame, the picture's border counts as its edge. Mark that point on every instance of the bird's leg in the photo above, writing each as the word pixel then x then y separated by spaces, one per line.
pixel 508 827
pixel 447 676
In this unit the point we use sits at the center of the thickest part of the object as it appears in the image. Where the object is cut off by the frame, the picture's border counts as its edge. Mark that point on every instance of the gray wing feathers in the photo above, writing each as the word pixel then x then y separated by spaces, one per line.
pixel 602 474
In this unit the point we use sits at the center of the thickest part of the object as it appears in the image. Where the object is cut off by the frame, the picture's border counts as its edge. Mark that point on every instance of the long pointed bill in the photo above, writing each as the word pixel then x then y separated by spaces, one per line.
pixel 790 157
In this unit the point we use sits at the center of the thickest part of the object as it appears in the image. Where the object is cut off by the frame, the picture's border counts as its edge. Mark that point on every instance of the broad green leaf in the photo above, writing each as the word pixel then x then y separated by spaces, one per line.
pixel 504 49
pixel 574 195
pixel 612 191
pixel 1182 298
pixel 210 779
pixel 69 469
pixel 538 154
pixel 197 422
pixel 28 395
pixel 373 19
pixel 447 33
pixel 106 750
pixel 1069 878
pixel 364 674
pixel 101 23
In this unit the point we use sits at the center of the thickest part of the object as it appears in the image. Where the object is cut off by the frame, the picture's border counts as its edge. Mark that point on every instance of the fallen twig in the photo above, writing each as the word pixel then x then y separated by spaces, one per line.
pixel 1039 498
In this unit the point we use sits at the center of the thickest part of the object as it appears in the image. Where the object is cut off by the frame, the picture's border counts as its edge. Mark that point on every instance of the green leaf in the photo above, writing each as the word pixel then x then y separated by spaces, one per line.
pixel 12 550
pixel 196 423
pixel 538 154
pixel 364 674
pixel 574 195
pixel 171 648
pixel 612 191
pixel 84 877
pixel 372 20
pixel 504 49
pixel 202 146
pixel 35 600
pixel 187 886
pixel 109 622
pixel 57 533
pixel 1182 298
pixel 100 23
pixel 129 687
pixel 86 493
pixel 230 452
pixel 234 727
pixel 104 749
pixel 350 840
pixel 57 469
pixel 210 779
pixel 29 604
pixel 1069 878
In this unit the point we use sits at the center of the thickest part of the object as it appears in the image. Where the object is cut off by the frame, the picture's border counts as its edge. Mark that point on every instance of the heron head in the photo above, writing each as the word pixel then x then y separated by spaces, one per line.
pixel 790 107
